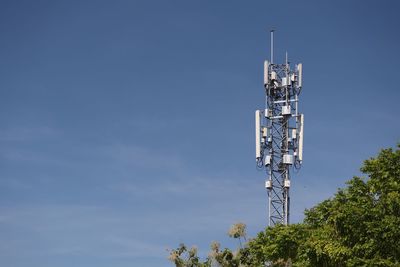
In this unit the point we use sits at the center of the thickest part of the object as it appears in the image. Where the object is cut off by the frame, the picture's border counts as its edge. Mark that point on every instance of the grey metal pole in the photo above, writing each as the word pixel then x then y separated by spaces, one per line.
pixel 272 46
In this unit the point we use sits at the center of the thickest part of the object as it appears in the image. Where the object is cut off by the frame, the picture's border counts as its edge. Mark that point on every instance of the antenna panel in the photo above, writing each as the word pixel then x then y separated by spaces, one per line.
pixel 266 74
pixel 258 132
pixel 301 136
pixel 300 73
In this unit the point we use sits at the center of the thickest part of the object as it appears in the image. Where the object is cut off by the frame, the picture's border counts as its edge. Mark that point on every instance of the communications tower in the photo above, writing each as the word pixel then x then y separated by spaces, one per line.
pixel 279 134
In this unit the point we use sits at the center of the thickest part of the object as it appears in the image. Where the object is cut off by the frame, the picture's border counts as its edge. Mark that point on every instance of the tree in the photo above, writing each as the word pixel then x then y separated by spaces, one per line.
pixel 358 226
pixel 184 257
pixel 276 246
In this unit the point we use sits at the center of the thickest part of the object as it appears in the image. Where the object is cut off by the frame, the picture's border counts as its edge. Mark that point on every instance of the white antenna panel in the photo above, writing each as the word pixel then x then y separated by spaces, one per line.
pixel 266 75
pixel 300 71
pixel 258 132
pixel 301 136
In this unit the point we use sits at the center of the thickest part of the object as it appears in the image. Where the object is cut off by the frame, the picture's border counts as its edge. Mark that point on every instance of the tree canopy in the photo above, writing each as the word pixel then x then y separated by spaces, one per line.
pixel 358 226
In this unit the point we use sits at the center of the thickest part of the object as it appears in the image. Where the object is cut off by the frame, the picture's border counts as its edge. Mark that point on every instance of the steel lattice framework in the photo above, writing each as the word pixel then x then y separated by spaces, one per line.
pixel 279 135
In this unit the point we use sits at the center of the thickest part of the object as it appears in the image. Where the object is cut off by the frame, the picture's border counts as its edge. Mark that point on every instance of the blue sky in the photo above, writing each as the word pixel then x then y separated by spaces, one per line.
pixel 126 127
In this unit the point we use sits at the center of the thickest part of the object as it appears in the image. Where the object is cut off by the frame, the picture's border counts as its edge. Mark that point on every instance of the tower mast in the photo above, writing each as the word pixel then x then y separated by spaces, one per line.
pixel 279 134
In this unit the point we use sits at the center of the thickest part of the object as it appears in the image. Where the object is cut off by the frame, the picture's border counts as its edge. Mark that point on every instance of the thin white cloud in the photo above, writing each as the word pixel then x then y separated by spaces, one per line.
pixel 139 156
pixel 76 230
pixel 25 133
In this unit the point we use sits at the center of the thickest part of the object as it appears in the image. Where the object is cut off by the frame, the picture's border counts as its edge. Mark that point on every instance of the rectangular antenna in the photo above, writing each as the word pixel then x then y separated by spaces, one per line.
pixel 258 132
pixel 266 76
pixel 301 136
pixel 300 71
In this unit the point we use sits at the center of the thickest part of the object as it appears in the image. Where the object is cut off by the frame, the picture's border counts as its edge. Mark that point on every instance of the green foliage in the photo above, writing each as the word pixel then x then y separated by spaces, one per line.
pixel 183 257
pixel 277 245
pixel 358 226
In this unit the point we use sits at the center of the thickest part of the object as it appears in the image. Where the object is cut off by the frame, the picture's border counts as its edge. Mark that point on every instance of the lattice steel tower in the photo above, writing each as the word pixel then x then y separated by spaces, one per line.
pixel 279 134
